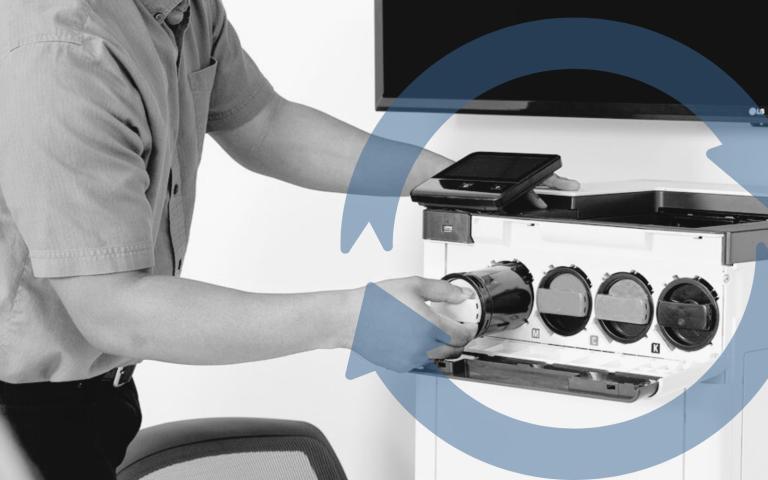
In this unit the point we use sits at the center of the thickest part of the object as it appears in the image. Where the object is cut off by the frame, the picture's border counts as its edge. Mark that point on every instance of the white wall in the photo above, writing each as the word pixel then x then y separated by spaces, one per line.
pixel 257 234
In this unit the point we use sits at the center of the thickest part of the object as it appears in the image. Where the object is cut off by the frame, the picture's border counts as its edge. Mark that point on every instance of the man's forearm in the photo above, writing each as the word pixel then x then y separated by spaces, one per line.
pixel 183 321
pixel 306 147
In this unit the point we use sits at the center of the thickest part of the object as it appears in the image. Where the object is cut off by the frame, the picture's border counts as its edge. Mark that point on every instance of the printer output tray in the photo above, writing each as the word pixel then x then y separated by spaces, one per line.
pixel 566 379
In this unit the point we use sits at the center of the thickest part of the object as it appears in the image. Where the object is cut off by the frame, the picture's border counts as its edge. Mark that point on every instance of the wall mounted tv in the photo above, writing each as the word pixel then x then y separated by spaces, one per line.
pixel 413 35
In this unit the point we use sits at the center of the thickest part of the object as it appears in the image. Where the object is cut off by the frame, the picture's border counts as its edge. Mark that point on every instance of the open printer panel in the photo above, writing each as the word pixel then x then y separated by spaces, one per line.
pixel 617 292
pixel 555 378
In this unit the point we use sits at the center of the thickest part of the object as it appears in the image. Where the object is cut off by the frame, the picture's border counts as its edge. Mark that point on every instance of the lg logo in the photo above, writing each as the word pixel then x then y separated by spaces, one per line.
pixel 755 111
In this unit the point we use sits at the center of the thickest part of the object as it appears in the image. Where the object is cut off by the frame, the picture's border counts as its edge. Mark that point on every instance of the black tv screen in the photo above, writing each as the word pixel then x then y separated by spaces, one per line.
pixel 411 35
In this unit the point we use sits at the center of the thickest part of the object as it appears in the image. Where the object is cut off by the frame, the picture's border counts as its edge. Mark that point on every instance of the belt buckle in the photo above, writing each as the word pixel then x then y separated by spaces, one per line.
pixel 122 377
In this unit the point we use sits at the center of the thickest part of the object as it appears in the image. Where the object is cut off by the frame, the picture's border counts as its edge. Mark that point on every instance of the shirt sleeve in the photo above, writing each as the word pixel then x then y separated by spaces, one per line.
pixel 72 171
pixel 240 90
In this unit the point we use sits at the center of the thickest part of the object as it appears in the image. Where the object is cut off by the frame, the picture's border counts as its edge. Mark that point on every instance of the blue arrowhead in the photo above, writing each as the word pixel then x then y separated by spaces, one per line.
pixel 357 366
pixel 360 211
pixel 380 176
pixel 743 156
pixel 392 334
pixel 375 189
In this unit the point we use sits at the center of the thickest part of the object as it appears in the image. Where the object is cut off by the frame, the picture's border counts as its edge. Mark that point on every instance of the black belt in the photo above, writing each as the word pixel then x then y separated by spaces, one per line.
pixel 115 378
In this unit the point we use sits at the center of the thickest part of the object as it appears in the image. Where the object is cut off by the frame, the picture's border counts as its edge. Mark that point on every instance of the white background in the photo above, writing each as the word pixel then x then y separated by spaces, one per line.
pixel 258 234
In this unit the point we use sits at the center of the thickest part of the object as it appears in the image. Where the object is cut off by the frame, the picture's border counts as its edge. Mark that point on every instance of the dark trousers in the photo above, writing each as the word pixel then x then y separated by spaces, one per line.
pixel 75 430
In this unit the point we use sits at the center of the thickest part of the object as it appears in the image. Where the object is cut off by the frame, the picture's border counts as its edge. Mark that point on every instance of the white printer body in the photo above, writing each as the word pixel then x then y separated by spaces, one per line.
pixel 637 289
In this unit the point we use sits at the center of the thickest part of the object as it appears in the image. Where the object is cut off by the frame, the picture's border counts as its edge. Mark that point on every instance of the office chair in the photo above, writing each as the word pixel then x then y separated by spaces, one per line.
pixel 231 449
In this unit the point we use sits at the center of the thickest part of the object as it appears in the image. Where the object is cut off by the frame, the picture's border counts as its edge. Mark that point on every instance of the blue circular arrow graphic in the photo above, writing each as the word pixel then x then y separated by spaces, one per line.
pixel 490 61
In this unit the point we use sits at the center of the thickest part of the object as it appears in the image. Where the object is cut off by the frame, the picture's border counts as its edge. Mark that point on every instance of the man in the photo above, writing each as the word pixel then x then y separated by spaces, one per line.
pixel 104 108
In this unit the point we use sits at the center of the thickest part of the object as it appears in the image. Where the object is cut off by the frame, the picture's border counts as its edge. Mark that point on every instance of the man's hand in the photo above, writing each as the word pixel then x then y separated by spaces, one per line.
pixel 406 345
pixel 555 182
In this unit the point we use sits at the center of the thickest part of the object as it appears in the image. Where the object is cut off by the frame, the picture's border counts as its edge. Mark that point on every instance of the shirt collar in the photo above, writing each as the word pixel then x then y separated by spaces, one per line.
pixel 161 8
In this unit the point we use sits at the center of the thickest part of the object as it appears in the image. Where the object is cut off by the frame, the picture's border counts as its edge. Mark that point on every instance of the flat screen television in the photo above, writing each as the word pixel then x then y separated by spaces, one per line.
pixel 411 35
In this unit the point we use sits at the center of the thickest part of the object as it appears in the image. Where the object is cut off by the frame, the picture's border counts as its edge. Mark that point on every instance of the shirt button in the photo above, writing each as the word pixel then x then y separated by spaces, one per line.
pixel 159 17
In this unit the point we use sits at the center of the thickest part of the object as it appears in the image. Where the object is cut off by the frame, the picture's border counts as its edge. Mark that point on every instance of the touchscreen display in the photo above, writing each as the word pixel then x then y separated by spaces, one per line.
pixel 495 168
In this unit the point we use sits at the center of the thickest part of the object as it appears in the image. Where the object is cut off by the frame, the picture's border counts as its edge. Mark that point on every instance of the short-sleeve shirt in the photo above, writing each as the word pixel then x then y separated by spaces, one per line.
pixel 103 110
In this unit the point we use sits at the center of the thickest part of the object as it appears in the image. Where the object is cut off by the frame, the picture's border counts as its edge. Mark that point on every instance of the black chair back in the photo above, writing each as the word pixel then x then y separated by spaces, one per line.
pixel 231 449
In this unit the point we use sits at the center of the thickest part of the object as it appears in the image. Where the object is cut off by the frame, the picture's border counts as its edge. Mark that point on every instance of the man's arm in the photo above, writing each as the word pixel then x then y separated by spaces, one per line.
pixel 306 147
pixel 309 148
pixel 175 320
pixel 75 182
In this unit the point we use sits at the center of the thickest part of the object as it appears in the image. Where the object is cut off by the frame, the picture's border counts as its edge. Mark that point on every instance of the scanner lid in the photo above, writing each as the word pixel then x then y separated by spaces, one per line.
pixel 657 185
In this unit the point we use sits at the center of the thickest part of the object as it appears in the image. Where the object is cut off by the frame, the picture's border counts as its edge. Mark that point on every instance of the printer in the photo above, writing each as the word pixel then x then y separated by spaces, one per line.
pixel 597 310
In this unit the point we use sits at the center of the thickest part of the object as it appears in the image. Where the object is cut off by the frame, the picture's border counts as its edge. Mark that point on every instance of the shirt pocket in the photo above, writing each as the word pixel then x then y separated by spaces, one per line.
pixel 201 84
